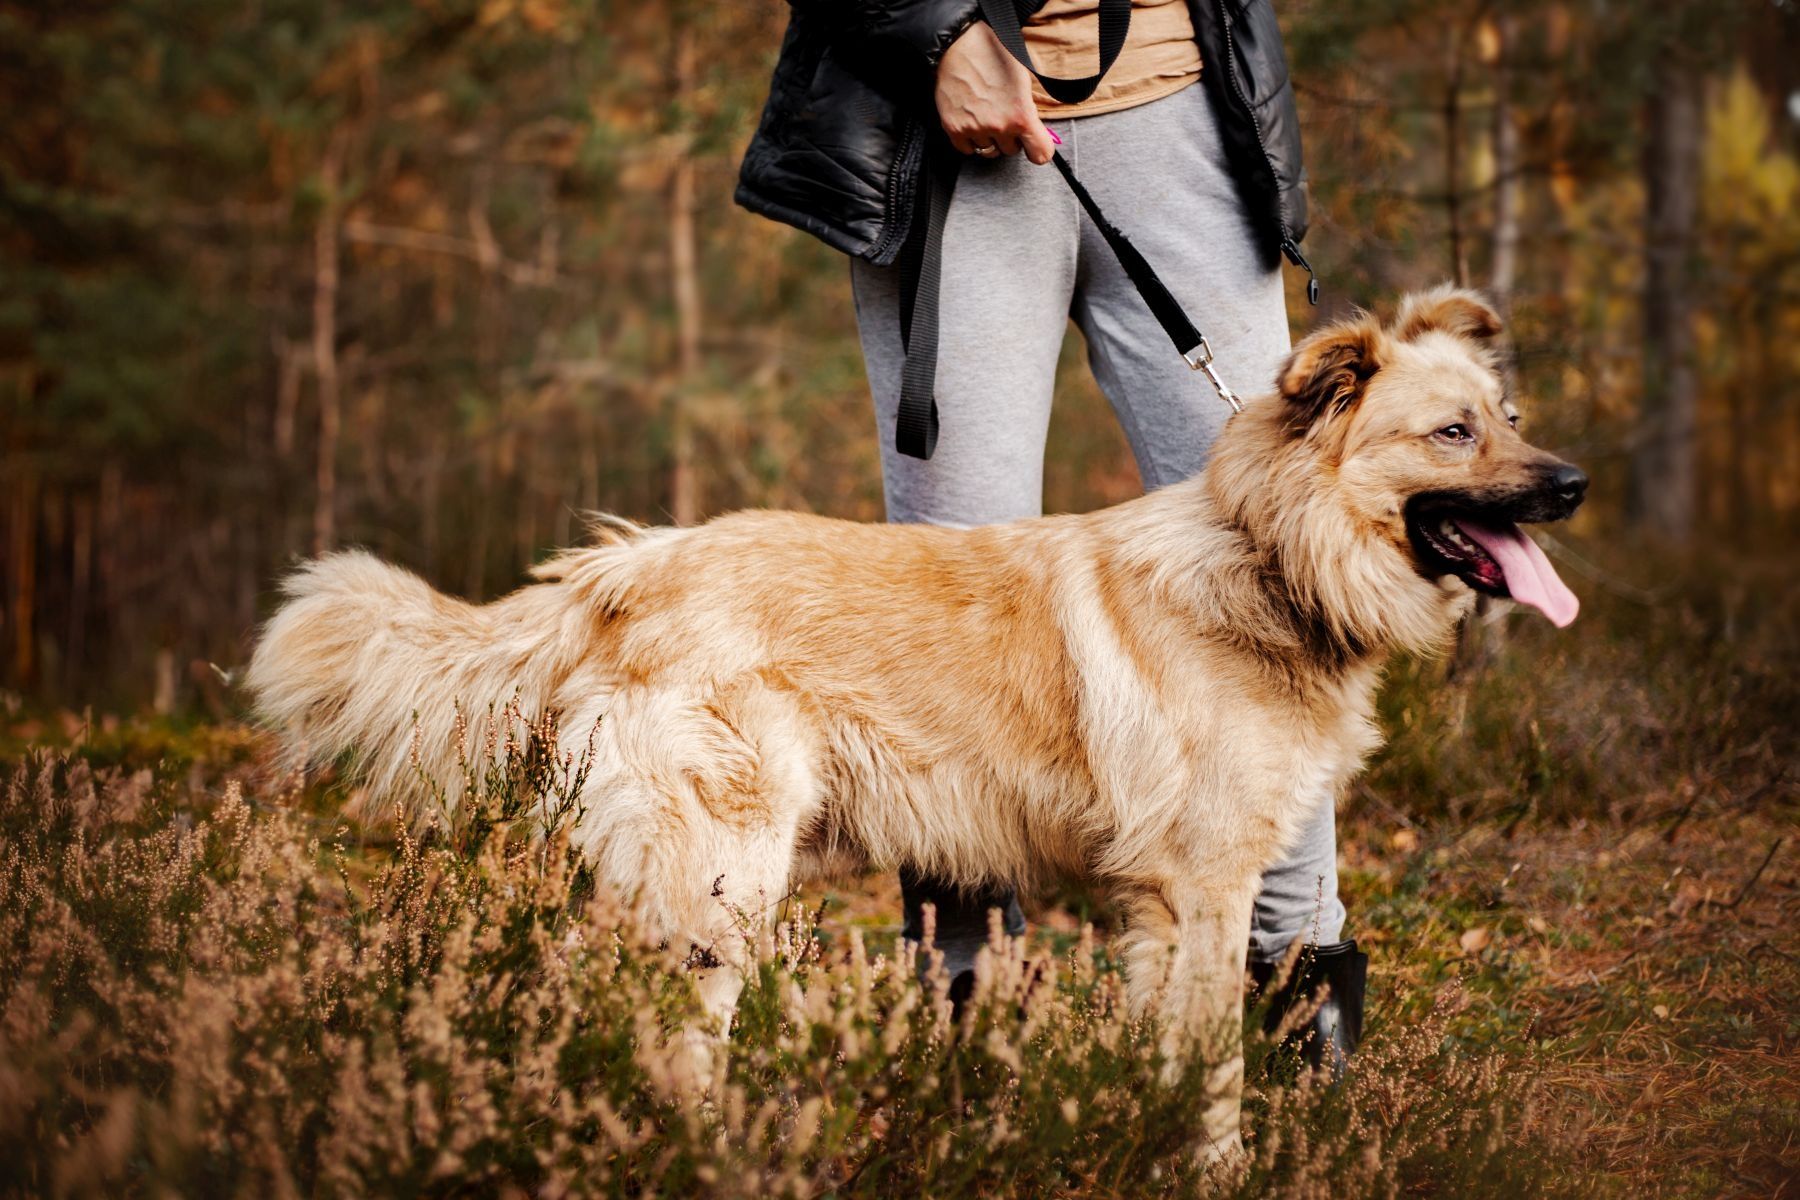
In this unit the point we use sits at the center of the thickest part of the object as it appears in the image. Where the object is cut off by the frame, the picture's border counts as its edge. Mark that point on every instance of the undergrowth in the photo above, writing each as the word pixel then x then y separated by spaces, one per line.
pixel 1650 699
pixel 196 1000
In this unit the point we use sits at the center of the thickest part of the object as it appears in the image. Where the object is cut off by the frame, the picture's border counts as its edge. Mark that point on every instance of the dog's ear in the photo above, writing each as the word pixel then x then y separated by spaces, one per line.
pixel 1327 372
pixel 1449 309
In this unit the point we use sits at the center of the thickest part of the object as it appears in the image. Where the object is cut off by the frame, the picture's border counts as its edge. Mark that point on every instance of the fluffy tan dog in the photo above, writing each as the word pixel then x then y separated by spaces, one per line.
pixel 1145 698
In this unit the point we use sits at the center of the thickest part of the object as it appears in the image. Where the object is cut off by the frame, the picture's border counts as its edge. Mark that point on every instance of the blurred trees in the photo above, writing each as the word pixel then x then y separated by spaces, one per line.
pixel 288 275
pixel 1588 143
pixel 430 275
pixel 1662 469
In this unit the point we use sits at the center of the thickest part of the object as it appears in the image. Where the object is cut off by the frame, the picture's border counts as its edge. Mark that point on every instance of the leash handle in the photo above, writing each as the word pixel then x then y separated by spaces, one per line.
pixel 1007 17
pixel 921 269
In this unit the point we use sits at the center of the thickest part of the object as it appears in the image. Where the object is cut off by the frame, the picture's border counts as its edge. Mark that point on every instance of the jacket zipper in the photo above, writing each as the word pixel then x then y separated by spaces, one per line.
pixel 899 222
pixel 1289 247
pixel 1292 250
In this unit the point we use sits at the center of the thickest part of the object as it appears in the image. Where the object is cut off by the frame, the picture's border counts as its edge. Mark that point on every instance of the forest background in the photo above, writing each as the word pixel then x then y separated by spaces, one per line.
pixel 430 276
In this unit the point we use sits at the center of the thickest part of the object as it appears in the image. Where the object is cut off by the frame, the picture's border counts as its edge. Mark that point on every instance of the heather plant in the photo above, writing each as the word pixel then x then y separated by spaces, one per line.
pixel 517 777
pixel 196 1000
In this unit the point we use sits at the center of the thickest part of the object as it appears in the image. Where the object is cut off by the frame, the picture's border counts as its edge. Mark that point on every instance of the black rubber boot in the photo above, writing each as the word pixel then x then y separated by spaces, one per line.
pixel 961 926
pixel 1331 1037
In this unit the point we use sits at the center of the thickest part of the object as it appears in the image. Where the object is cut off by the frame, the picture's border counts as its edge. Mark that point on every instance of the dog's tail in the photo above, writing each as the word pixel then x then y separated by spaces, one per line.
pixel 365 657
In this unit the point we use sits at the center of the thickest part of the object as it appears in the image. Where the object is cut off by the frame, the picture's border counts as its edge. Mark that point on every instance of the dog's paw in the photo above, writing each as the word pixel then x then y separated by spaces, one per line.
pixel 1223 1159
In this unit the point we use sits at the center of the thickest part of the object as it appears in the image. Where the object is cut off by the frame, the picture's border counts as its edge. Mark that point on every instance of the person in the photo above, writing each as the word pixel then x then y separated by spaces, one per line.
pixel 1190 143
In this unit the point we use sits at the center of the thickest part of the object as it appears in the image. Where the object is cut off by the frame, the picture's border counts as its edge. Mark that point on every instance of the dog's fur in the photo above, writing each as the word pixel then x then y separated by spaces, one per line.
pixel 1149 698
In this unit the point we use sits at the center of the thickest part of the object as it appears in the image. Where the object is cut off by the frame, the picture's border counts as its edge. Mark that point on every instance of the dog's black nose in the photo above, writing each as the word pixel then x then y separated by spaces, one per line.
pixel 1570 482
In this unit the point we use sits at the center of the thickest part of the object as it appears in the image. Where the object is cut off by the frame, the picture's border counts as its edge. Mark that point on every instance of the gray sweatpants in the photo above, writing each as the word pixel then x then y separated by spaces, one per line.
pixel 1020 258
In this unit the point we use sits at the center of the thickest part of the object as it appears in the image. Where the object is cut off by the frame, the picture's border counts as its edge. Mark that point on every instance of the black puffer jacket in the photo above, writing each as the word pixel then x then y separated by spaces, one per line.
pixel 842 135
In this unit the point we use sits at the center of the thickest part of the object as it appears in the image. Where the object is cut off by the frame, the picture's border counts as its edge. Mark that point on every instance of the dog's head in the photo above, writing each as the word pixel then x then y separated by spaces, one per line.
pixel 1399 442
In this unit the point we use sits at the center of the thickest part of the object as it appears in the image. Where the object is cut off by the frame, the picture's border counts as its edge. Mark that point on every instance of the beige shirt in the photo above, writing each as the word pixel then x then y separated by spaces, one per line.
pixel 1160 54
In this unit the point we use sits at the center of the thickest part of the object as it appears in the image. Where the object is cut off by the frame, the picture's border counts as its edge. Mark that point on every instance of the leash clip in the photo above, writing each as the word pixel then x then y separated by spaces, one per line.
pixel 1200 358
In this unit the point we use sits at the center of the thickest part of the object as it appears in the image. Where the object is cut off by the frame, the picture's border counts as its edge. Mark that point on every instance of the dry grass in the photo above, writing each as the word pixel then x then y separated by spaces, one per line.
pixel 195 999
pixel 1658 980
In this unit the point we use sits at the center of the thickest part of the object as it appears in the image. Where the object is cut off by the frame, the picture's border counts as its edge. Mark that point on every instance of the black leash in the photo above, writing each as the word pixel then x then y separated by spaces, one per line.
pixel 921 262
pixel 1189 342
pixel 921 269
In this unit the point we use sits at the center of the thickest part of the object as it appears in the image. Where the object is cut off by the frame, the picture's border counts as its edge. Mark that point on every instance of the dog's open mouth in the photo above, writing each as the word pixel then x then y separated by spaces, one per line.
pixel 1491 554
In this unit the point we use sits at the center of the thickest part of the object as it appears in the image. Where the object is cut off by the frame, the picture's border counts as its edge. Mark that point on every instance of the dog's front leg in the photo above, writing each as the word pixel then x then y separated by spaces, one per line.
pixel 705 1042
pixel 1184 952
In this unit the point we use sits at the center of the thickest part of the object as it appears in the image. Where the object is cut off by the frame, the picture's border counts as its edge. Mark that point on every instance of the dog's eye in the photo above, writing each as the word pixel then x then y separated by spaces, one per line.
pixel 1455 433
pixel 1512 419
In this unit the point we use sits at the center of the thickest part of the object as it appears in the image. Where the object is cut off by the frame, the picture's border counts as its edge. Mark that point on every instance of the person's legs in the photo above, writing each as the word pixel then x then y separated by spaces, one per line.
pixel 1008 270
pixel 1299 896
pixel 1160 173
pixel 1009 253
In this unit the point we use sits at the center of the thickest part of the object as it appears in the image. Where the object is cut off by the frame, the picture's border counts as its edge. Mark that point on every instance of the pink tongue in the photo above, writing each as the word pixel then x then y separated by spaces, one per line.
pixel 1529 576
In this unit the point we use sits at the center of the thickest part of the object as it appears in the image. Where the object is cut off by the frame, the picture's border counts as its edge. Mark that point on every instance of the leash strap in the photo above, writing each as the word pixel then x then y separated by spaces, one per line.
pixel 916 424
pixel 921 263
pixel 1006 18
pixel 1189 342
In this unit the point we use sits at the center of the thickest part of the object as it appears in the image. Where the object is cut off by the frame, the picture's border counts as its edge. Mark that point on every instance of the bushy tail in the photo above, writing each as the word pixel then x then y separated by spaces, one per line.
pixel 367 658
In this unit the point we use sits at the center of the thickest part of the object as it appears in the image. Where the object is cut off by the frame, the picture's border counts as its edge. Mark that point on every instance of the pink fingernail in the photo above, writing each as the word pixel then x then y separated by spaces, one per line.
pixel 1052 134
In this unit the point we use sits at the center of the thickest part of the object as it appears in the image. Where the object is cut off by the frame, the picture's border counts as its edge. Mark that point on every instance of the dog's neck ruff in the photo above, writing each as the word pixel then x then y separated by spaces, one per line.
pixel 1336 589
pixel 1208 562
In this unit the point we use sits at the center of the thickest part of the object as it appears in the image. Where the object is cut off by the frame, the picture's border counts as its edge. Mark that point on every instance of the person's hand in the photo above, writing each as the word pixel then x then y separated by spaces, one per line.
pixel 984 99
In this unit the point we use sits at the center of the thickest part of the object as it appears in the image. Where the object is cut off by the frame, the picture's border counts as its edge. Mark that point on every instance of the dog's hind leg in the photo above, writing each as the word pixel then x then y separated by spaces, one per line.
pixel 1184 950
pixel 705 796
pixel 712 888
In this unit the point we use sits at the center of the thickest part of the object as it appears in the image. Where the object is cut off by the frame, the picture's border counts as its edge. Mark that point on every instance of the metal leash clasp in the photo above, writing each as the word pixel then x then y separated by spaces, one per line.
pixel 1200 358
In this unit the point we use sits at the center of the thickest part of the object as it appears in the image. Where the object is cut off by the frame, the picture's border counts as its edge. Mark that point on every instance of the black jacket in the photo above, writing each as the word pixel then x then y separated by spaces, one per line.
pixel 842 136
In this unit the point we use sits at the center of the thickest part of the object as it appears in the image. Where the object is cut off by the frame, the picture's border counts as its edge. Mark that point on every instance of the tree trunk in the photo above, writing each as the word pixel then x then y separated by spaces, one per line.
pixel 1504 263
pixel 1482 633
pixel 22 552
pixel 81 575
pixel 1453 169
pixel 324 351
pixel 290 363
pixel 1662 492
pixel 684 505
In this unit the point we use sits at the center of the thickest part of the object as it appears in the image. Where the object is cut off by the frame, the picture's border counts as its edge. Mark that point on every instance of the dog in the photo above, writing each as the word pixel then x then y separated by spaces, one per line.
pixel 1147 698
